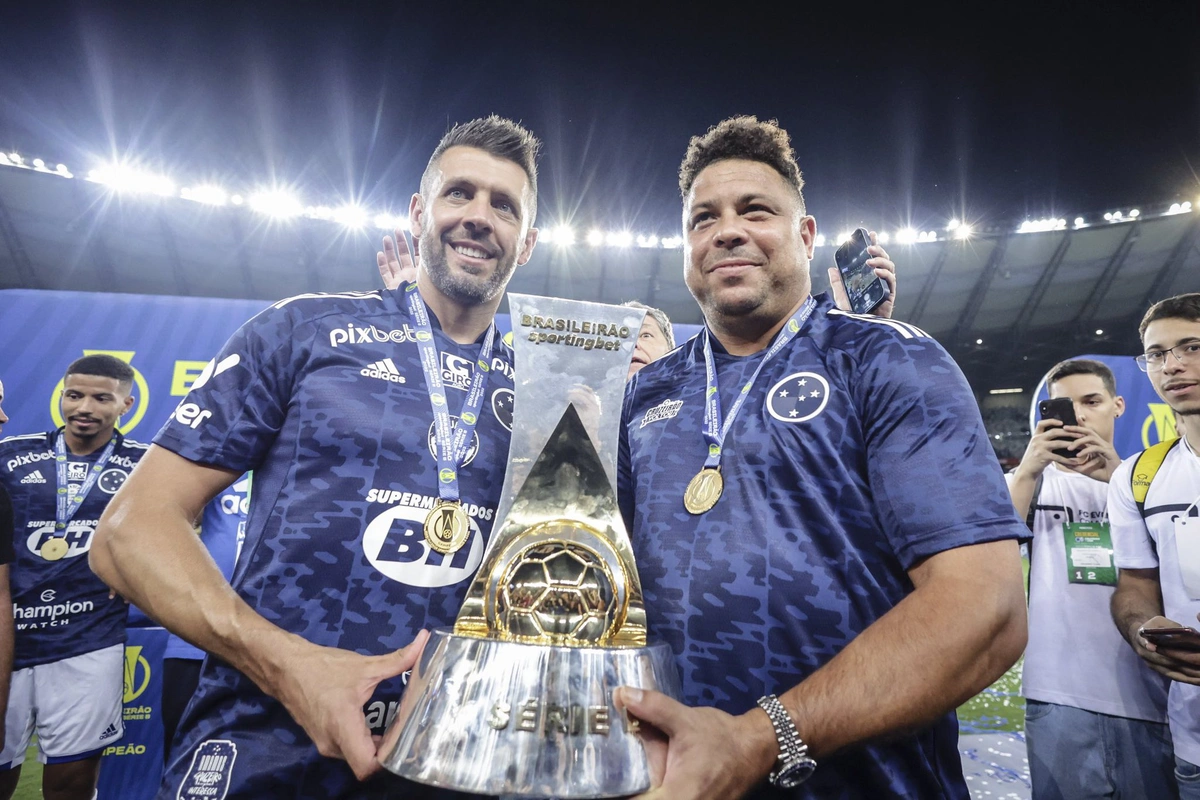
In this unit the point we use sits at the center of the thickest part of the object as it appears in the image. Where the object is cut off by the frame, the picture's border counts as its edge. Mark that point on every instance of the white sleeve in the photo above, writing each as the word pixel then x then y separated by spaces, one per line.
pixel 1133 547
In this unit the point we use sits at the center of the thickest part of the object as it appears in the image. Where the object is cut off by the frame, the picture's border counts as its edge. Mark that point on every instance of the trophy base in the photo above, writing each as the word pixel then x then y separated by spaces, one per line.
pixel 506 718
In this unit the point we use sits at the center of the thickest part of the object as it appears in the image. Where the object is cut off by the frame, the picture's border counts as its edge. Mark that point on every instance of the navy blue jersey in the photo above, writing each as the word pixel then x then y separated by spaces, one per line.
pixel 859 452
pixel 61 609
pixel 323 396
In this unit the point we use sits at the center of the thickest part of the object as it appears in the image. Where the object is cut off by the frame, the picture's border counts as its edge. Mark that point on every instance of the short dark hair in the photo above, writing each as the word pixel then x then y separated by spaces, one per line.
pixel 104 366
pixel 1083 366
pixel 745 138
pixel 496 136
pixel 1181 306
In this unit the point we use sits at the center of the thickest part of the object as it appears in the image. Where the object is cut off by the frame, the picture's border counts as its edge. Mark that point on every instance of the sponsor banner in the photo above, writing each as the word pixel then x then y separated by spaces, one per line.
pixel 132 765
pixel 167 340
pixel 1147 419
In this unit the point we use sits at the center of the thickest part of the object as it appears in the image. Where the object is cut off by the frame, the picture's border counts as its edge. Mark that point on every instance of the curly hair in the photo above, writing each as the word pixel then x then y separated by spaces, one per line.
pixel 746 138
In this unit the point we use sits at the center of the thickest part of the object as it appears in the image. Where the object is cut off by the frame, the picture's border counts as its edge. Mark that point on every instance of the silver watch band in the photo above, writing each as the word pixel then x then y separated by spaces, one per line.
pixel 792 749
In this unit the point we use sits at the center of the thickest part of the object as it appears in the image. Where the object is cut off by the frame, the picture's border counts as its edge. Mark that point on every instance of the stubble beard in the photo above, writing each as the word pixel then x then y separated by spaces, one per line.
pixel 460 286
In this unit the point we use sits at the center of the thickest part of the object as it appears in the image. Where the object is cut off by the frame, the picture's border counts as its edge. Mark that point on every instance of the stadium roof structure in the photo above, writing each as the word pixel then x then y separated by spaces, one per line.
pixel 1006 304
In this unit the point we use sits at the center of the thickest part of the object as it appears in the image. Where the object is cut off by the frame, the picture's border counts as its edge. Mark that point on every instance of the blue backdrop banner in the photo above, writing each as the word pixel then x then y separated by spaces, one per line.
pixel 131 768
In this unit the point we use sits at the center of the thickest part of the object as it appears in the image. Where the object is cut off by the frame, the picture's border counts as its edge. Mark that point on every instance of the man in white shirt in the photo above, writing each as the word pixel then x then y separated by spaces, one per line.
pixel 1156 529
pixel 1095 715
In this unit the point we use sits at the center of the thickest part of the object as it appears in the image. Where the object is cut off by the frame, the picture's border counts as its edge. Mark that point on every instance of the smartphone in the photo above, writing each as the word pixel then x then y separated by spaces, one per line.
pixel 864 288
pixel 1063 409
pixel 1179 638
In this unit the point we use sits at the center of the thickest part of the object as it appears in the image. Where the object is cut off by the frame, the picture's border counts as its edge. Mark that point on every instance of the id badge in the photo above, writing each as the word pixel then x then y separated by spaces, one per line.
pixel 1187 545
pixel 1089 553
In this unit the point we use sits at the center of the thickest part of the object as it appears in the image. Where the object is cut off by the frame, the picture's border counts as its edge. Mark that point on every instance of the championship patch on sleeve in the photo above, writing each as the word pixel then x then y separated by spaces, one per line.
pixel 209 775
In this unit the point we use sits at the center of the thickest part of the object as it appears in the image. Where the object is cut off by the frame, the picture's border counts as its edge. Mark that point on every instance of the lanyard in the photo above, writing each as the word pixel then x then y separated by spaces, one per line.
pixel 67 506
pixel 453 441
pixel 716 429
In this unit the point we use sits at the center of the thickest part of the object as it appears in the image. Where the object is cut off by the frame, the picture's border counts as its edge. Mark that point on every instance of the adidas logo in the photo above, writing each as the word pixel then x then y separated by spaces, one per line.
pixel 385 370
pixel 34 477
pixel 110 732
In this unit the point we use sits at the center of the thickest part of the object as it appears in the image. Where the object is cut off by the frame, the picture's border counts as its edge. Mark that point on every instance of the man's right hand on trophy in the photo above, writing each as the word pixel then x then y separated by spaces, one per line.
pixel 325 690
pixel 395 261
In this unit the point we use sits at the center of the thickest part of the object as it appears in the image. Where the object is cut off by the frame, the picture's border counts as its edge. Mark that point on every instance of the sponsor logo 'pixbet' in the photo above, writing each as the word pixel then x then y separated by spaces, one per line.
pixel 369 334
pixel 28 458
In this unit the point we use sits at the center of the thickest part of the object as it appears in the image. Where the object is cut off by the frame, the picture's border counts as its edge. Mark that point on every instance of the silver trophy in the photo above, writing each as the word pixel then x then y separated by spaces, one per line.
pixel 517 699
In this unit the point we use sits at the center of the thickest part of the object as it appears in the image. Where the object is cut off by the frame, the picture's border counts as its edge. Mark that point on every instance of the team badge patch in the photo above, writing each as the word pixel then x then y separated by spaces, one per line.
pixel 502 407
pixel 111 480
pixel 209 774
pixel 798 397
pixel 667 409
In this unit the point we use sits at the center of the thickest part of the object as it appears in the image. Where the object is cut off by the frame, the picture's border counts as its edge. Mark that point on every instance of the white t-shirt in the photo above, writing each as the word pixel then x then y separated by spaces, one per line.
pixel 1150 544
pixel 1076 656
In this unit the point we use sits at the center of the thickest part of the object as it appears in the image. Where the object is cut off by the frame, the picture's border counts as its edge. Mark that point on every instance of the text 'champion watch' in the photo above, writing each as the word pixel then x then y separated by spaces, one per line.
pixel 794 766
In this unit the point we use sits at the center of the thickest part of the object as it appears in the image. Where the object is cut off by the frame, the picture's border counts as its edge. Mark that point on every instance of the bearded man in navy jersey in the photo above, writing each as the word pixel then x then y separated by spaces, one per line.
pixel 343 405
pixel 823 533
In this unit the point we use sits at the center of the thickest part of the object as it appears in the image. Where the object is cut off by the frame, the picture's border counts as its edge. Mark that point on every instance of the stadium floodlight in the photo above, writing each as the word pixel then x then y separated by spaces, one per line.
pixel 672 242
pixel 276 203
pixel 351 216
pixel 819 241
pixel 844 236
pixel 207 194
pixel 882 237
pixel 1175 208
pixel 39 164
pixel 1099 331
pixel 16 159
pixel 1186 206
pixel 1134 214
pixel 563 235
pixel 4 159
pixel 647 241
pixel 236 200
pixel 595 237
pixel 1015 390
pixel 1079 223
pixel 1108 216
pixel 979 341
pixel 1117 216
pixel 124 178
pixel 389 222
pixel 619 239
pixel 906 236
pixel 954 225
pixel 319 212
pixel 927 236
pixel 962 232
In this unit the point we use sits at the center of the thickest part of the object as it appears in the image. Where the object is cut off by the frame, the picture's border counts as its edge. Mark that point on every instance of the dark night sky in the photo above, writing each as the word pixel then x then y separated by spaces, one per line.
pixel 995 112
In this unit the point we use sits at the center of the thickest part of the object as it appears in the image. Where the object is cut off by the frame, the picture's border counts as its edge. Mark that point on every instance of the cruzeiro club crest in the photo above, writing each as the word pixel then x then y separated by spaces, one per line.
pixel 502 407
pixel 799 397
pixel 111 480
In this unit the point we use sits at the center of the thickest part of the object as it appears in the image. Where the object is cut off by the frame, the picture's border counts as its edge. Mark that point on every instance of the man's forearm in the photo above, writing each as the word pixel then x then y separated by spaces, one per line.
pixel 7 643
pixel 944 643
pixel 1135 600
pixel 1021 486
pixel 146 549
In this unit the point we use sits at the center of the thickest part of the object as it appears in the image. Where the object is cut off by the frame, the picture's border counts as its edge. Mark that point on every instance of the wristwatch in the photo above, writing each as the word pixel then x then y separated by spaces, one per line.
pixel 794 766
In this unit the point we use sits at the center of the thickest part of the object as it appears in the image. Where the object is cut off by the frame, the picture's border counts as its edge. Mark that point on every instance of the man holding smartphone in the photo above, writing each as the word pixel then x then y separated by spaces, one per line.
pixel 1085 691
pixel 1154 508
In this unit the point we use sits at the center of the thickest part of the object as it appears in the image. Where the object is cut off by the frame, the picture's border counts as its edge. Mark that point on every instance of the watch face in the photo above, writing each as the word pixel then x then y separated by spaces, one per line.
pixel 794 774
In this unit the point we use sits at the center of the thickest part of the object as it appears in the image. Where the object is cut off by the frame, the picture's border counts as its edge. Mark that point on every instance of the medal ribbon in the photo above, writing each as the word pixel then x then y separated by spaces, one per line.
pixel 66 506
pixel 716 429
pixel 453 442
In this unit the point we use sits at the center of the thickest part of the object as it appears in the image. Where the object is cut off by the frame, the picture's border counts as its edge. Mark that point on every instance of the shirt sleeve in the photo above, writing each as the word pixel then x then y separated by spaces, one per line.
pixel 7 555
pixel 239 402
pixel 624 461
pixel 936 481
pixel 1133 547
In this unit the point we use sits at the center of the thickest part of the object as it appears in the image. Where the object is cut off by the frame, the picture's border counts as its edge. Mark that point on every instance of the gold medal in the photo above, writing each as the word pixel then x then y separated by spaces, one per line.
pixel 54 549
pixel 447 527
pixel 703 491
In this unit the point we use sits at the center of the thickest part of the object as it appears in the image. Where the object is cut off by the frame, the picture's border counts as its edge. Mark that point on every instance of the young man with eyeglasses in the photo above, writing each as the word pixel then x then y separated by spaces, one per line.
pixel 1154 512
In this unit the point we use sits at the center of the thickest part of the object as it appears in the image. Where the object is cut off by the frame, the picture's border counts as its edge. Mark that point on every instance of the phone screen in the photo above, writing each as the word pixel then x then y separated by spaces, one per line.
pixel 864 288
